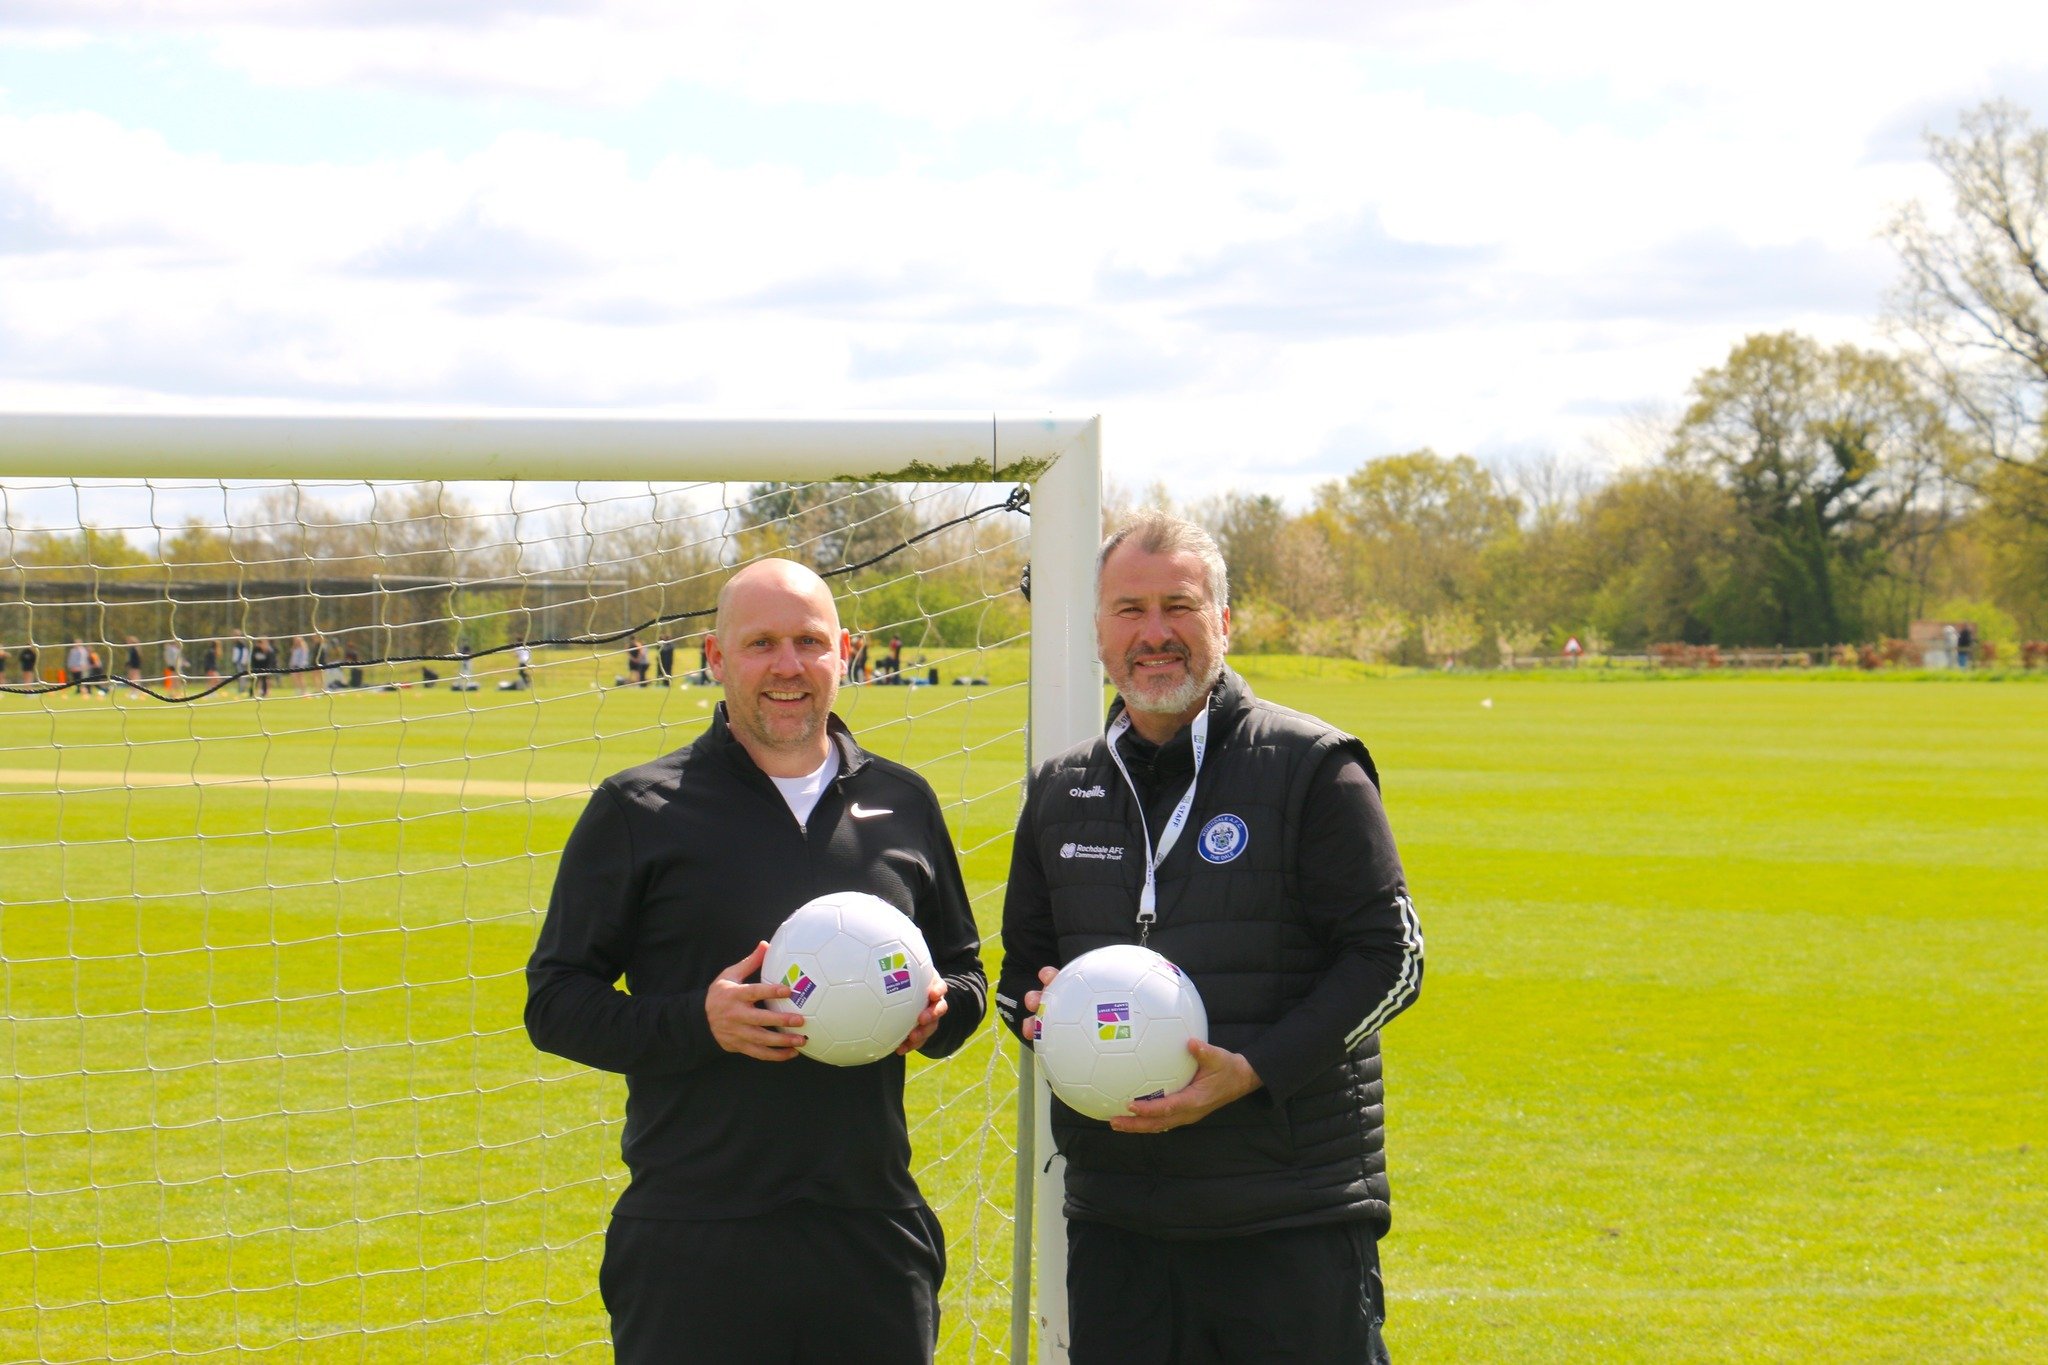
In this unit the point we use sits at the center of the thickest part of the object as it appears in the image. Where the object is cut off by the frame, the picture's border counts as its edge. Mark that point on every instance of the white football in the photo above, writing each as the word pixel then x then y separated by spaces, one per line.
pixel 1114 1027
pixel 858 971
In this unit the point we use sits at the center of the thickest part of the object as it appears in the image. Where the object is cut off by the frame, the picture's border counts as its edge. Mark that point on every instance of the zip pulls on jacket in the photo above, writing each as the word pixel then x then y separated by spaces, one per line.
pixel 1148 899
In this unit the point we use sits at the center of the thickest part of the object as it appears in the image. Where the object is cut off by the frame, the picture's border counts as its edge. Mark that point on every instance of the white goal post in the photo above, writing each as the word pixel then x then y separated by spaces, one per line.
pixel 1058 458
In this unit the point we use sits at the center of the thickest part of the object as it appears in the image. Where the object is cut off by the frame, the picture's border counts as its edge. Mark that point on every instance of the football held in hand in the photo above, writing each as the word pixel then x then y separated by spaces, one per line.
pixel 858 971
pixel 1114 1027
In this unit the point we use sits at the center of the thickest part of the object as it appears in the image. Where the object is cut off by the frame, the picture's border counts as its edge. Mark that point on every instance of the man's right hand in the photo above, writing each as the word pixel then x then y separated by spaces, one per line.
pixel 1031 999
pixel 741 1023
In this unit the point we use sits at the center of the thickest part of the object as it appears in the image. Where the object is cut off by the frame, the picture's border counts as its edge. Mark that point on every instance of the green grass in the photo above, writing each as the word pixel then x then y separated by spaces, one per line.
pixel 1731 1048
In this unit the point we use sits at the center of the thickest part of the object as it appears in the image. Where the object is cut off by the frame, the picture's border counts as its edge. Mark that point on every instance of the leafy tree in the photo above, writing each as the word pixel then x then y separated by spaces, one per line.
pixel 1828 453
pixel 1247 527
pixel 61 573
pixel 2013 537
pixel 826 525
pixel 1416 528
pixel 1663 557
pixel 1541 576
pixel 1377 633
pixel 1449 633
pixel 1259 625
pixel 1516 641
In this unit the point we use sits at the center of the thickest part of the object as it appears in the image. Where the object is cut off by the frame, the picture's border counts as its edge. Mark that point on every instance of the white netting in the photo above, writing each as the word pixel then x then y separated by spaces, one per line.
pixel 267 1088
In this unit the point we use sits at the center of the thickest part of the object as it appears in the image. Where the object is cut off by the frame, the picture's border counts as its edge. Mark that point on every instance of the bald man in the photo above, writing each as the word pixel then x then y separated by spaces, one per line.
pixel 771 1214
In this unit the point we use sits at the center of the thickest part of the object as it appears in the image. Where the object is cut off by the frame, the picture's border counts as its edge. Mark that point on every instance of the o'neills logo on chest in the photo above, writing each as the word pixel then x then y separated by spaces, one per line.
pixel 1099 852
pixel 1085 793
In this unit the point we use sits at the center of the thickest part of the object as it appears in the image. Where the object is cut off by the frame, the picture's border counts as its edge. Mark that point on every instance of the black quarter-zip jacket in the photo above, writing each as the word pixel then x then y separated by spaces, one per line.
pixel 675 871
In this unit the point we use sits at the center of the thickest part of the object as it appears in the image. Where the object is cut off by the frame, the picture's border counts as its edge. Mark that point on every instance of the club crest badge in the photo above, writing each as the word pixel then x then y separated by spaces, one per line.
pixel 1223 838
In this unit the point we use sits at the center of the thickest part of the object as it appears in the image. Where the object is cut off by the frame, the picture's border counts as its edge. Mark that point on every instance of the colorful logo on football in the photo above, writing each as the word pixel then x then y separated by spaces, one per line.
pixel 800 985
pixel 895 972
pixel 1113 1020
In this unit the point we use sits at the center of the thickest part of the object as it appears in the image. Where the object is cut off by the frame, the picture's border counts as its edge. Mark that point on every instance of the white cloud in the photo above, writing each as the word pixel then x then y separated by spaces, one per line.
pixel 1293 233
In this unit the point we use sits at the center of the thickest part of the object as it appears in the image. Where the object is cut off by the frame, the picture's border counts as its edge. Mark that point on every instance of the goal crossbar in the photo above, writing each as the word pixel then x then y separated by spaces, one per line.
pixel 930 448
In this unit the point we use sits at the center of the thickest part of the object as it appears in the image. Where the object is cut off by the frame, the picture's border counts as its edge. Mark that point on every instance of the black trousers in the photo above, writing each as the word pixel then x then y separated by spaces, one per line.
pixel 806 1283
pixel 1302 1294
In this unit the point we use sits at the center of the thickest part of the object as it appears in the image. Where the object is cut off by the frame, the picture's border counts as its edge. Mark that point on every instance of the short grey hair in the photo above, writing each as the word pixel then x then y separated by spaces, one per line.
pixel 1162 533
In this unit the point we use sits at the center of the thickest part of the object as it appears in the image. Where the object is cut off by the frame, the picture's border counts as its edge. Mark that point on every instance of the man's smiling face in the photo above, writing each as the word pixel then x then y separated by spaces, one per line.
pixel 1160 636
pixel 778 651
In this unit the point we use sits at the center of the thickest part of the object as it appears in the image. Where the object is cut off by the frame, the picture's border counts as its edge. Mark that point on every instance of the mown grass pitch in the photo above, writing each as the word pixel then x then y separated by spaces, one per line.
pixel 1731 1047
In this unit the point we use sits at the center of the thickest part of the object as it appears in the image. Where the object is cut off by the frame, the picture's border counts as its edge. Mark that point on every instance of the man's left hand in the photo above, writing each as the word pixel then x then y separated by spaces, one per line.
pixel 927 1021
pixel 1220 1077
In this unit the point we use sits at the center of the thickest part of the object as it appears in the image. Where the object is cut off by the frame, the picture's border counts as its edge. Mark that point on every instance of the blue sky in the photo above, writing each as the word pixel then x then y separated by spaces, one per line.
pixel 1263 241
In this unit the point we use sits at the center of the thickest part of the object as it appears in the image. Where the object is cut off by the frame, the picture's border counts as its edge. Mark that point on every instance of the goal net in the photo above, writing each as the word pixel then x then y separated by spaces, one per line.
pixel 287 760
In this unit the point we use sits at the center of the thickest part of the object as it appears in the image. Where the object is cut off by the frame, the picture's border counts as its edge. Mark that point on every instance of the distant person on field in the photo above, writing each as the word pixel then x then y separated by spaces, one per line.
pixel 771 1216
pixel 1966 641
pixel 76 660
pixel 523 656
pixel 262 661
pixel 665 660
pixel 29 658
pixel 131 665
pixel 636 661
pixel 174 667
pixel 1572 650
pixel 301 663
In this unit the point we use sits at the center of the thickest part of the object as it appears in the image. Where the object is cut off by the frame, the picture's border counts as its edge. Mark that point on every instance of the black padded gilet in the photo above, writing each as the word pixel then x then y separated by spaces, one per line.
pixel 1236 928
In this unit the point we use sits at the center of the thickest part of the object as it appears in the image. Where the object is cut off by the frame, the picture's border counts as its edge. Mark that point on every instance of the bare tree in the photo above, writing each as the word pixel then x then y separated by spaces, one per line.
pixel 1638 435
pixel 1975 291
pixel 1308 577
pixel 1549 489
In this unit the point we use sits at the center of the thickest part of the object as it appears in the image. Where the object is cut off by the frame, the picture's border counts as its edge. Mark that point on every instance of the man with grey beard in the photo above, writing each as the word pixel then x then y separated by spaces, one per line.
pixel 1239 1217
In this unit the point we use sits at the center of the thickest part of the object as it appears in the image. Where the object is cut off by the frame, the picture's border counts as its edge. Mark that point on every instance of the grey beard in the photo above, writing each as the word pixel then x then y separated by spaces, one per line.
pixel 1182 698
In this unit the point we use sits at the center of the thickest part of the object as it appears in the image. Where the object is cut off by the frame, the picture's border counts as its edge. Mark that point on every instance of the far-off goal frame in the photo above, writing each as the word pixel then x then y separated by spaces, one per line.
pixel 1059 458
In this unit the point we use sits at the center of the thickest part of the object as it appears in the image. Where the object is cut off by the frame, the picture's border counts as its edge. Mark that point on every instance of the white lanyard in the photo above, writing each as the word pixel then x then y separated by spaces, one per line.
pixel 1148 899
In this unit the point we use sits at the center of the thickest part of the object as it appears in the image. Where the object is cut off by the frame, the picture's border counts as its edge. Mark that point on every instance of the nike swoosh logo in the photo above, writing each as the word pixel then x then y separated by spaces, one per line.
pixel 860 814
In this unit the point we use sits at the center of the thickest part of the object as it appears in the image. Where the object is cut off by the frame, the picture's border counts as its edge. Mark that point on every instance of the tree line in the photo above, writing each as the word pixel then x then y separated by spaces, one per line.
pixel 422 570
pixel 1807 495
